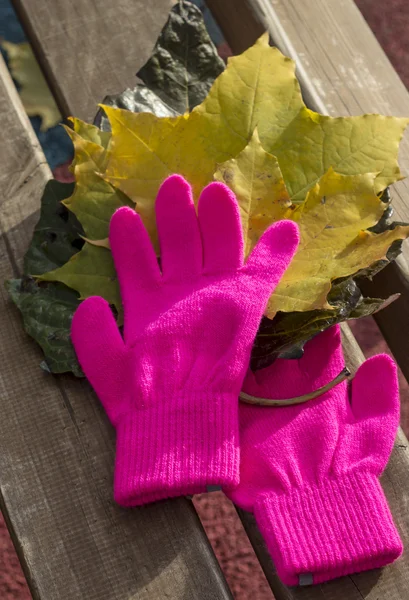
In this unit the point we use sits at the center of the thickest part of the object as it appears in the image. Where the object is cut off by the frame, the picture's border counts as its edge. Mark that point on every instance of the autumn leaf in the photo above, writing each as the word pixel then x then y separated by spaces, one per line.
pixel 57 235
pixel 332 222
pixel 34 92
pixel 174 81
pixel 286 334
pixel 47 313
pixel 184 62
pixel 256 179
pixel 47 308
pixel 91 271
pixel 89 133
pixel 94 200
pixel 143 151
pixel 243 97
pixel 334 242
pixel 254 132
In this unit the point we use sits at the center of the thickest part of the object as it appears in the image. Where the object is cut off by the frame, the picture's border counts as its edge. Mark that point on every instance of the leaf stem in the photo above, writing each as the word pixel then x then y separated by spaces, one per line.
pixel 247 399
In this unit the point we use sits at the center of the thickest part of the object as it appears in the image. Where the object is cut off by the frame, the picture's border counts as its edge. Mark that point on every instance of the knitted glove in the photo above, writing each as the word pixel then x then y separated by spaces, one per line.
pixel 170 387
pixel 309 472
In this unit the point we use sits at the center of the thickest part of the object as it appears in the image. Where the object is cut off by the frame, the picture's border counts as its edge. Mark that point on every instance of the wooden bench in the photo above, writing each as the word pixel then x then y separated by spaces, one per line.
pixel 56 446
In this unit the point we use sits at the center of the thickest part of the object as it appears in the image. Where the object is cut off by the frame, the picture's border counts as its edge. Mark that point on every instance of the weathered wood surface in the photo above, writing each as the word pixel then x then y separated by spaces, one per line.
pixel 90 49
pixel 57 447
pixel 343 71
pixel 390 583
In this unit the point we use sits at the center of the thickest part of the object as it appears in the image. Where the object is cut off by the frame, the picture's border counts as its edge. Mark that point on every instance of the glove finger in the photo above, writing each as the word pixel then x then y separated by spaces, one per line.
pixel 368 437
pixel 134 257
pixel 100 351
pixel 178 230
pixel 220 226
pixel 273 254
pixel 375 390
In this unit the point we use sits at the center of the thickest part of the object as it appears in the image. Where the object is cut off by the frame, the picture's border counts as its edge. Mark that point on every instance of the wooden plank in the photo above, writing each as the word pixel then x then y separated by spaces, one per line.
pixel 90 49
pixel 393 321
pixel 57 447
pixel 392 582
pixel 343 71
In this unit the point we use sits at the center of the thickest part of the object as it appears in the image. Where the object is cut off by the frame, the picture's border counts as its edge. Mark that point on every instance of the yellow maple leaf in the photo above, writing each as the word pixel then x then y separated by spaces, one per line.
pixel 257 89
pixel 256 179
pixel 137 162
pixel 94 200
pixel 90 132
pixel 254 132
pixel 333 221
pixel 334 242
pixel 145 149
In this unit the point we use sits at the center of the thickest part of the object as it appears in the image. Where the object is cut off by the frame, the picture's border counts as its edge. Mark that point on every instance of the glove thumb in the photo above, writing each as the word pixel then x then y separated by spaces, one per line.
pixel 371 430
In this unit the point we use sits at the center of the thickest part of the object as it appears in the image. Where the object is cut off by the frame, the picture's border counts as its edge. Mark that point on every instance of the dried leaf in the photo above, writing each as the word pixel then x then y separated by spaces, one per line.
pixel 184 62
pixel 174 81
pixel 334 242
pixel 47 313
pixel 89 270
pixel 286 335
pixel 252 124
pixel 256 179
pixel 145 149
pixel 94 200
pixel 57 235
pixel 47 308
pixel 332 221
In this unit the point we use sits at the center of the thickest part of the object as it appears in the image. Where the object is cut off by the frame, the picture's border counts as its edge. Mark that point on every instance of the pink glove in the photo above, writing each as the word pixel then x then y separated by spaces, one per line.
pixel 309 472
pixel 170 387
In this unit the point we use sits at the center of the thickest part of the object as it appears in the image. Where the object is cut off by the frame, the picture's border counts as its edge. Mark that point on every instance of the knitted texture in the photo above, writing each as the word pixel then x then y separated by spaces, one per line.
pixel 170 386
pixel 309 472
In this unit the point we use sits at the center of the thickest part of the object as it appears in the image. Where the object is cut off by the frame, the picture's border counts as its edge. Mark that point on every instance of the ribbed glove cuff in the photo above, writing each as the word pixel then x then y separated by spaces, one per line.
pixel 343 526
pixel 176 447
